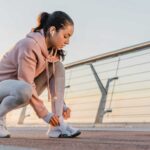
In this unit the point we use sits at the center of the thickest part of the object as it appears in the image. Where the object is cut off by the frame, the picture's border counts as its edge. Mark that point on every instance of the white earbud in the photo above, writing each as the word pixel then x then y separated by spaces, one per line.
pixel 52 34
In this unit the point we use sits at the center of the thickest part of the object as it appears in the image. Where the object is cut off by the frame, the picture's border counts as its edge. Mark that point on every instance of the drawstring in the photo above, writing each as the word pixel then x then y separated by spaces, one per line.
pixel 52 59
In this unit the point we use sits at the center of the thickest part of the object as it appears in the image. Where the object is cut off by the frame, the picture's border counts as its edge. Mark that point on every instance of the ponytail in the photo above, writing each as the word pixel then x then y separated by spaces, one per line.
pixel 41 21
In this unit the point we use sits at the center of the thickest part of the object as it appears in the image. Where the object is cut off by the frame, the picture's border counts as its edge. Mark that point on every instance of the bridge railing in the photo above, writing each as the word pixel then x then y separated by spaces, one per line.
pixel 117 90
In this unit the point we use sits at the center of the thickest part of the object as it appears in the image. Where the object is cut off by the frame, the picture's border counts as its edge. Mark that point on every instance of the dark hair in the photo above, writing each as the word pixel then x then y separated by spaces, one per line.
pixel 58 19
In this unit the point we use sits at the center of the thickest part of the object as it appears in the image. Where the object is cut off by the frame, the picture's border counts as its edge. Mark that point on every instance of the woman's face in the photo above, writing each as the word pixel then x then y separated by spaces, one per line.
pixel 60 38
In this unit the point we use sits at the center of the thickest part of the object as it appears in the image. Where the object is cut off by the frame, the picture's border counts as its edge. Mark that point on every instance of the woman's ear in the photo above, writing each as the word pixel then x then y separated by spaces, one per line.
pixel 52 30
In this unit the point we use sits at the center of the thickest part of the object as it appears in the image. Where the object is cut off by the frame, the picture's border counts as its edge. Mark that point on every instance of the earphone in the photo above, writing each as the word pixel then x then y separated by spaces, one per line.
pixel 52 33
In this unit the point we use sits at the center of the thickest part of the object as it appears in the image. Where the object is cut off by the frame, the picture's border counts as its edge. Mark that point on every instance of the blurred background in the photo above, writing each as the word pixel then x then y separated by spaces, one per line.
pixel 100 25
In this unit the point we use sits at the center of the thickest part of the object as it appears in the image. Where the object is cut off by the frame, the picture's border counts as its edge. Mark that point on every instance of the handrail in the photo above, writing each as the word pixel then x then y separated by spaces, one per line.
pixel 109 54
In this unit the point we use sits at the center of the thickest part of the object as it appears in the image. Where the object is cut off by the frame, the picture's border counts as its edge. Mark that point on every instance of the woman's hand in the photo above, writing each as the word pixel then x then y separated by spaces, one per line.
pixel 67 113
pixel 54 121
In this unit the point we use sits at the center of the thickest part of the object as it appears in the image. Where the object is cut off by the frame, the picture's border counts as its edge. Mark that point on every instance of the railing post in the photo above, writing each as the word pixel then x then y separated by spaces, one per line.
pixel 101 109
pixel 22 115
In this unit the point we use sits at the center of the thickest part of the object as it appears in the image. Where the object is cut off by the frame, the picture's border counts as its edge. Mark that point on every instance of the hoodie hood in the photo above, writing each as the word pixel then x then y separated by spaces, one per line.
pixel 39 38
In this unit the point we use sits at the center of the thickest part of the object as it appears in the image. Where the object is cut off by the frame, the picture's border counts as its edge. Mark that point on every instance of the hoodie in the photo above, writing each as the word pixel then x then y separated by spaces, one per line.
pixel 25 61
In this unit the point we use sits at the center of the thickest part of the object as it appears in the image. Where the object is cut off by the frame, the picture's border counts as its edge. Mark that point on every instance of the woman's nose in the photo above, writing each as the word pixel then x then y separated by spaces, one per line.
pixel 67 42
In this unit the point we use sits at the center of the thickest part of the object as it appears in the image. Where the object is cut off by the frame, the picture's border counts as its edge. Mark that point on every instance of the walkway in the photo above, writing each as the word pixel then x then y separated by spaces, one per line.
pixel 34 138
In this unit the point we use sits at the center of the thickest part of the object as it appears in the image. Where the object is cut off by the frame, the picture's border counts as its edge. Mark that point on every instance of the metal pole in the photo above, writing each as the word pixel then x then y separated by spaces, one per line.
pixel 101 109
pixel 101 87
pixel 22 115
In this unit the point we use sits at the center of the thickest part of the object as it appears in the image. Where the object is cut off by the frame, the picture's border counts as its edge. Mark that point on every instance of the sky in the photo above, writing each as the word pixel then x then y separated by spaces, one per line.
pixel 100 25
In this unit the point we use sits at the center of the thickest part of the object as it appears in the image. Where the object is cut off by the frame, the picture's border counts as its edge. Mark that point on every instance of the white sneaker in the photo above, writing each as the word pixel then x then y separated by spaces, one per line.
pixel 63 131
pixel 59 131
pixel 3 130
pixel 74 131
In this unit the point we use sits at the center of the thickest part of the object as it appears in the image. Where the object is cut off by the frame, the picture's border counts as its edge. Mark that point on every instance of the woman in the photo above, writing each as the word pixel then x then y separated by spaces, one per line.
pixel 33 64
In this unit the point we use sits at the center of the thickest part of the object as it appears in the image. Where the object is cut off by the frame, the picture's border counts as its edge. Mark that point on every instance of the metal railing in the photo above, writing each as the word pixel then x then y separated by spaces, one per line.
pixel 112 87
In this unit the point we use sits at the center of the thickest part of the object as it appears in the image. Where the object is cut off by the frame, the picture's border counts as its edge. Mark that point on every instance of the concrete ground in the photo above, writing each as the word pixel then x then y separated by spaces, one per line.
pixel 34 138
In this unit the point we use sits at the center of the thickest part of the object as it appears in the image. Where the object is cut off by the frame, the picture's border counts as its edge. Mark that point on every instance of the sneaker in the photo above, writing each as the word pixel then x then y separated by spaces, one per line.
pixel 3 130
pixel 58 132
pixel 74 131
pixel 63 131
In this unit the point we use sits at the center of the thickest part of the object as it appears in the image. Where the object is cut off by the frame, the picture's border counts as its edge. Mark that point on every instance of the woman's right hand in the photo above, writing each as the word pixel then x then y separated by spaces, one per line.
pixel 54 121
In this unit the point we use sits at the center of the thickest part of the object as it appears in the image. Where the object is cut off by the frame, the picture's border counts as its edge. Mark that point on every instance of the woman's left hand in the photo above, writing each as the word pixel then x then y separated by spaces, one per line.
pixel 67 113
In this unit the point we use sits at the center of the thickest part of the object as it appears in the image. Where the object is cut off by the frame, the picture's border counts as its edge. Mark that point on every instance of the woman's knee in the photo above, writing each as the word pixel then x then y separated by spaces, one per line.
pixel 59 69
pixel 23 93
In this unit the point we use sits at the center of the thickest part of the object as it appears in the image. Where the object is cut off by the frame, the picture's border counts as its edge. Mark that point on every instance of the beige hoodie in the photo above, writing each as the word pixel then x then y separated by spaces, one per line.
pixel 25 61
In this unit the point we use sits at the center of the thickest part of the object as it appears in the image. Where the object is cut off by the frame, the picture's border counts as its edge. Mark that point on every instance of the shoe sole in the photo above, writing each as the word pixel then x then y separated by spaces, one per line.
pixel 71 136
pixel 7 136
pixel 76 134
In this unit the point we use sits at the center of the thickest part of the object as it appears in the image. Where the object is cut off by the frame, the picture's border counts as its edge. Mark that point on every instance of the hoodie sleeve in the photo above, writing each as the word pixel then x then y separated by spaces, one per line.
pixel 26 71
